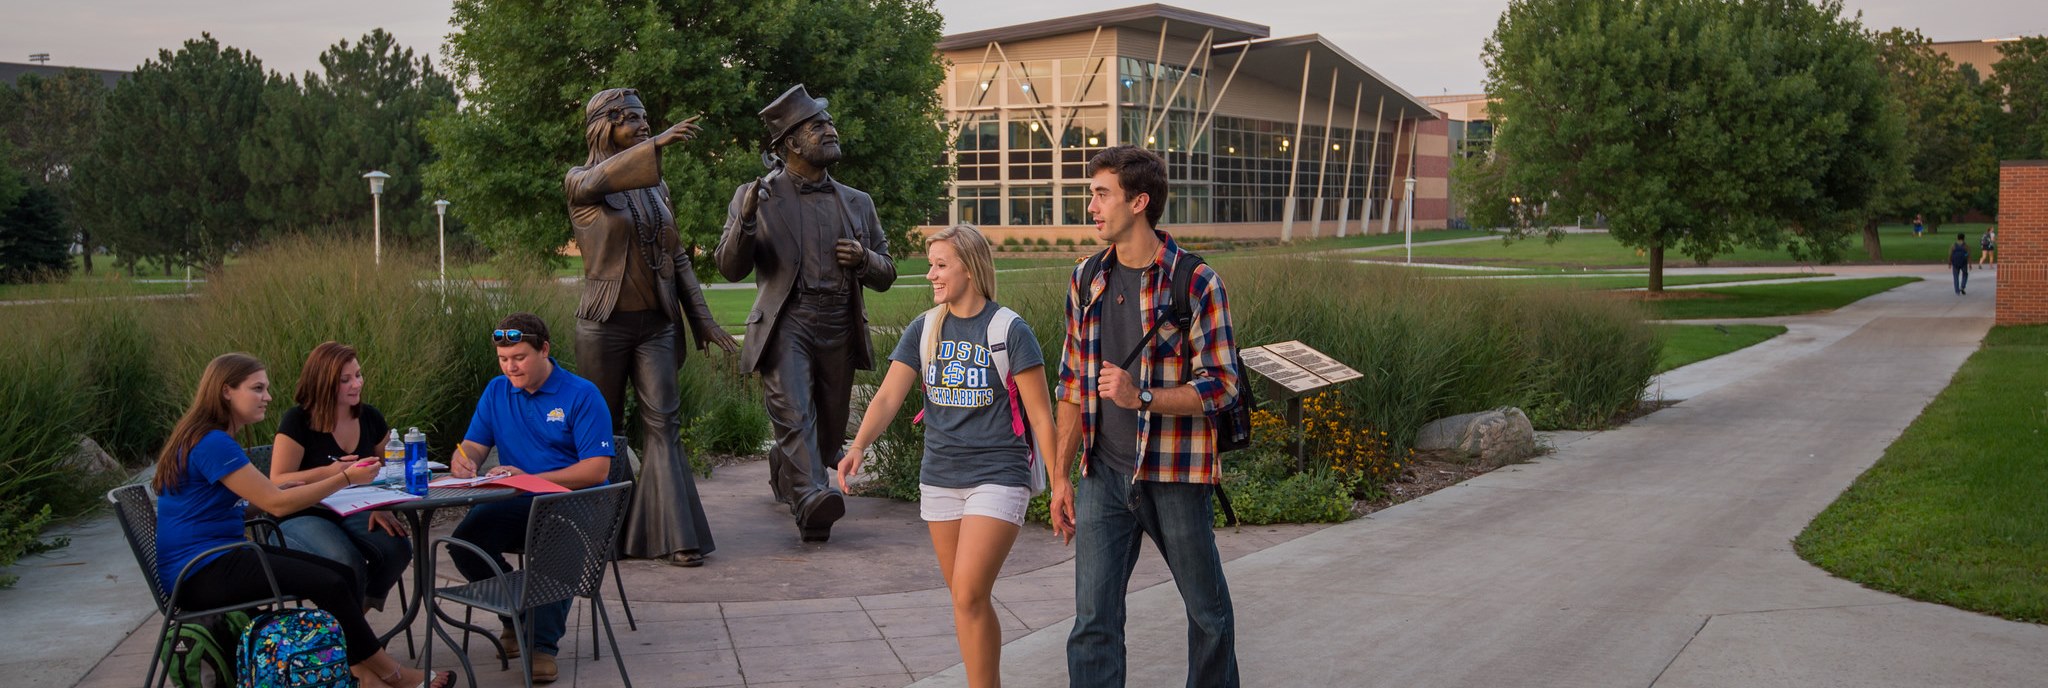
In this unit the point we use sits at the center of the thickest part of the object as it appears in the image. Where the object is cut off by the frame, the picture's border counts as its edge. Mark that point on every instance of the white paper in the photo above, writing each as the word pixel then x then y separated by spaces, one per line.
pixel 353 499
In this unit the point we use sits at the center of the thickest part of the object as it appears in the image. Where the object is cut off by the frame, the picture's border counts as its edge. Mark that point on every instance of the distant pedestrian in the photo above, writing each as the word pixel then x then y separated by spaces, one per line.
pixel 1990 245
pixel 1959 264
pixel 1918 226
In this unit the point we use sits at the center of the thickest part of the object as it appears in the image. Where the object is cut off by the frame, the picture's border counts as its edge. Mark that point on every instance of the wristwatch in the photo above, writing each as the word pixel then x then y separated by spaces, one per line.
pixel 1144 400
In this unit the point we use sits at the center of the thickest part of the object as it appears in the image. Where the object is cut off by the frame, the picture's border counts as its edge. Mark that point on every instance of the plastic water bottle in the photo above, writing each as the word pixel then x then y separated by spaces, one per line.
pixel 416 472
pixel 394 461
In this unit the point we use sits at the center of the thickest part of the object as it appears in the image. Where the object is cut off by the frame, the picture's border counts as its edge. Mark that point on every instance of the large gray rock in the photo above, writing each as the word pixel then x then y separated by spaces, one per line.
pixel 1497 437
pixel 91 460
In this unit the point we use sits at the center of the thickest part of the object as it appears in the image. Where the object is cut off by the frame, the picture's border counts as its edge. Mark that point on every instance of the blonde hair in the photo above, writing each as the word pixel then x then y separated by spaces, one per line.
pixel 977 257
pixel 975 254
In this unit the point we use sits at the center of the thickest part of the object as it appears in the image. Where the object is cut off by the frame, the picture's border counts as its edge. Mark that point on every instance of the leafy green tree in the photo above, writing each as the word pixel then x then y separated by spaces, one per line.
pixel 528 68
pixel 53 124
pixel 163 180
pixel 1696 126
pixel 316 136
pixel 1949 159
pixel 2021 82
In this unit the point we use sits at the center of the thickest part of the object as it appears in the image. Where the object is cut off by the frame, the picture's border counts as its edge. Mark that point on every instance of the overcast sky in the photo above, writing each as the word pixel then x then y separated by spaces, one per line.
pixel 1425 47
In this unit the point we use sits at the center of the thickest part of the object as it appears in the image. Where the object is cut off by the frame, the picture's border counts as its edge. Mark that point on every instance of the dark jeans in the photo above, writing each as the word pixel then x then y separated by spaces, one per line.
pixel 666 515
pixel 499 527
pixel 1110 513
pixel 807 377
pixel 377 558
pixel 237 577
pixel 1961 276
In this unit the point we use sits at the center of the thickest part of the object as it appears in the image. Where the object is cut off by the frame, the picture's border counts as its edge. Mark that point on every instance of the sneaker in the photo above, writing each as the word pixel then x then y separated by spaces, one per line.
pixel 544 669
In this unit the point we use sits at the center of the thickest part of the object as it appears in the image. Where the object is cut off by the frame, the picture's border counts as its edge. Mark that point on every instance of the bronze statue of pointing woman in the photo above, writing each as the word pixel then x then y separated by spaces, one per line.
pixel 639 296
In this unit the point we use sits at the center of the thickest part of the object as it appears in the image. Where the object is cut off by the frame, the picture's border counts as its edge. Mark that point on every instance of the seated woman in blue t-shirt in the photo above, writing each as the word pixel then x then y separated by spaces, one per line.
pixel 329 429
pixel 200 474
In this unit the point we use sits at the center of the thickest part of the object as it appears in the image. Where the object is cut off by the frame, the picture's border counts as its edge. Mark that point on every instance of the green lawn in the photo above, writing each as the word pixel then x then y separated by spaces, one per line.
pixel 93 287
pixel 1639 281
pixel 1766 300
pixel 1359 240
pixel 1602 251
pixel 1688 344
pixel 1954 512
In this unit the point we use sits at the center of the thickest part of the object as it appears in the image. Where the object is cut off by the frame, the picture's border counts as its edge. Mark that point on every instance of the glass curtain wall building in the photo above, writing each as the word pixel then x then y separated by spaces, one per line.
pixel 1224 105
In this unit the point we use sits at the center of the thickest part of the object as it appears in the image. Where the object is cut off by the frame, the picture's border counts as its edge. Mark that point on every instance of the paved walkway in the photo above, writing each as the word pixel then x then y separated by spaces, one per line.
pixel 867 609
pixel 1656 554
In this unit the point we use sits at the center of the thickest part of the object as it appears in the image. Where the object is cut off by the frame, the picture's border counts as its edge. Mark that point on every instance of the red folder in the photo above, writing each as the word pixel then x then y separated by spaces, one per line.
pixel 530 483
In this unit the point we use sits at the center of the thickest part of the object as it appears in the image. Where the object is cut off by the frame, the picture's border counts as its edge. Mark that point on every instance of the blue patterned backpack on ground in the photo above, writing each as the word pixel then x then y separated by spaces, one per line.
pixel 294 648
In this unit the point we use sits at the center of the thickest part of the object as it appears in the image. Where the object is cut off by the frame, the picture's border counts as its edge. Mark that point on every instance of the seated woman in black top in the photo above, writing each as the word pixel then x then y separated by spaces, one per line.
pixel 328 429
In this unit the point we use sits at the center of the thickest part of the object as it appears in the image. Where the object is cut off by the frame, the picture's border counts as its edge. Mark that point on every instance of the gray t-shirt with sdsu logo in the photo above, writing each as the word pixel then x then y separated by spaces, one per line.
pixel 968 440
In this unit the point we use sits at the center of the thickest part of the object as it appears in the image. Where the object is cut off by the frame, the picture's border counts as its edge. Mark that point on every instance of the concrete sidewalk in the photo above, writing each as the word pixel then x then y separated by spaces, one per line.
pixel 867 609
pixel 1656 554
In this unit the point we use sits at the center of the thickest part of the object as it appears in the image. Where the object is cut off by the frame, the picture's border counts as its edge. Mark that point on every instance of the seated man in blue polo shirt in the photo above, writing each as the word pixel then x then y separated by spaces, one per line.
pixel 547 422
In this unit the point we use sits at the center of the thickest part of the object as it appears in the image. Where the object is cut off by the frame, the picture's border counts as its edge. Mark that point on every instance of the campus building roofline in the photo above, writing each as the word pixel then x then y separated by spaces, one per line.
pixel 11 72
pixel 1280 60
pixel 1180 23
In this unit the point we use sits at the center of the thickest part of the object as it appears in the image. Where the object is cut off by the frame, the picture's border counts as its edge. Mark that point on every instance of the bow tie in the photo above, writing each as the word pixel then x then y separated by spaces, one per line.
pixel 824 186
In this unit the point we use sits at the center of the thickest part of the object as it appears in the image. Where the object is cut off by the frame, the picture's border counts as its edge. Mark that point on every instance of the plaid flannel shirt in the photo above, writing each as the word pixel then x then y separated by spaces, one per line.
pixel 1170 448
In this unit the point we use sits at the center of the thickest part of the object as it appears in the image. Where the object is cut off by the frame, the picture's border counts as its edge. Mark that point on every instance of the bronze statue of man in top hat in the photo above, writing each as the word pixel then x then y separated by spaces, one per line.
pixel 812 243
pixel 639 293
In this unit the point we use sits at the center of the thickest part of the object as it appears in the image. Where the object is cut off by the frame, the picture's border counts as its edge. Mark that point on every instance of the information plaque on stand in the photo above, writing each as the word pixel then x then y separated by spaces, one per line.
pixel 1297 367
pixel 1300 369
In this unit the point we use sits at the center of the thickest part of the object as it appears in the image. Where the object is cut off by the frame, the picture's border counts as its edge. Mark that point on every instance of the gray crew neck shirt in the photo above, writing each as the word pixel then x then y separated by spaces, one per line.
pixel 968 437
pixel 1123 323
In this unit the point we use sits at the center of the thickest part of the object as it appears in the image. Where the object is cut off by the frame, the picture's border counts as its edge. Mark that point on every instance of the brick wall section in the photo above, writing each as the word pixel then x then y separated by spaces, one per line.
pixel 2022 242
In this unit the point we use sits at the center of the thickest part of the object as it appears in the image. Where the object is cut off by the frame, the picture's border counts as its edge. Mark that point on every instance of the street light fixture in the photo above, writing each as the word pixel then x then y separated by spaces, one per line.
pixel 377 211
pixel 441 219
pixel 1408 213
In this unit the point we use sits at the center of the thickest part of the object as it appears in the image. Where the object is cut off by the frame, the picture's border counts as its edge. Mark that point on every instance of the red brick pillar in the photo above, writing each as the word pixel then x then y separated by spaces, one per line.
pixel 2023 242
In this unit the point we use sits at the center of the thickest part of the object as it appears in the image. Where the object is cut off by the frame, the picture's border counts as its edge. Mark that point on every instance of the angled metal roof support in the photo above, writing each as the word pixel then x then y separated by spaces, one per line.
pixel 1350 152
pixel 1294 164
pixel 1152 79
pixel 1315 226
pixel 1372 166
pixel 1036 114
pixel 1068 121
pixel 1393 160
pixel 1203 128
pixel 1201 49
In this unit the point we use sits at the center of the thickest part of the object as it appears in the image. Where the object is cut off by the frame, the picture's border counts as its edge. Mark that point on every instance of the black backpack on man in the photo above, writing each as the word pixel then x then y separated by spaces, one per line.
pixel 1232 425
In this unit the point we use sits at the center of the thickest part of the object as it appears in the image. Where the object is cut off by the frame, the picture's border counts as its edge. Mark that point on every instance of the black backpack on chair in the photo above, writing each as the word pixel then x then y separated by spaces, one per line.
pixel 1231 425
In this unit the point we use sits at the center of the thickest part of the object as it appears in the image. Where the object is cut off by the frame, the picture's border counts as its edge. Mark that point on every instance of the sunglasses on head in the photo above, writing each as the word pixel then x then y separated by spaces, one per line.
pixel 507 336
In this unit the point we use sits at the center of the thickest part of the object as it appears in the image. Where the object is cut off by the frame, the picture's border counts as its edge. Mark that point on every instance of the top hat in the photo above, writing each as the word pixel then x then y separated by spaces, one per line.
pixel 789 109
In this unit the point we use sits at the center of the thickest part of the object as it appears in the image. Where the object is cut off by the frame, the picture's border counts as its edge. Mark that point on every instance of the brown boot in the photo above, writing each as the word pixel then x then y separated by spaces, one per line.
pixel 544 669
pixel 508 644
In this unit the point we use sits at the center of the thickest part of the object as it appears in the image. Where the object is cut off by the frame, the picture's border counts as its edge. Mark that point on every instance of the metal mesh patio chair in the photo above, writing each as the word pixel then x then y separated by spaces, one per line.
pixel 569 538
pixel 135 509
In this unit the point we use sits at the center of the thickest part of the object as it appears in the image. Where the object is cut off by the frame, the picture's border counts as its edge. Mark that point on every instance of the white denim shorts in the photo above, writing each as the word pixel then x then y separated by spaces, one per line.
pixel 994 501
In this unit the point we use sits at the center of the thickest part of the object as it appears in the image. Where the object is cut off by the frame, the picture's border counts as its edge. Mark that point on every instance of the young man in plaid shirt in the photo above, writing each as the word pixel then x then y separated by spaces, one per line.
pixel 1148 455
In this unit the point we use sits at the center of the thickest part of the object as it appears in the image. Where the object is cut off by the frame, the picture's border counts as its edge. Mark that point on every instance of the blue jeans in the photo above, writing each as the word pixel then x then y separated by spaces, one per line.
pixel 1962 277
pixel 497 528
pixel 1110 512
pixel 378 558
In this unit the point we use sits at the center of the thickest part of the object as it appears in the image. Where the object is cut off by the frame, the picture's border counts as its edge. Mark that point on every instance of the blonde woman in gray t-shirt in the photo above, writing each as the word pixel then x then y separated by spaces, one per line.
pixel 978 469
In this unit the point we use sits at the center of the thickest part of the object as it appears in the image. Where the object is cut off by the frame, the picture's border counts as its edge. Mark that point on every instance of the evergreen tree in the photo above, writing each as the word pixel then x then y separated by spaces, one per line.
pixel 316 136
pixel 163 180
pixel 52 126
pixel 33 242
